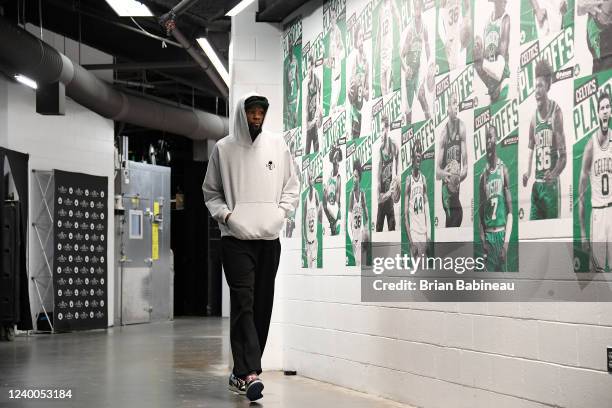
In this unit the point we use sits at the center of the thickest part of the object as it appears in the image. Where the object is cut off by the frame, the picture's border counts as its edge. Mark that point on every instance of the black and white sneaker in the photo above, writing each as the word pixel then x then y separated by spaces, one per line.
pixel 237 385
pixel 254 387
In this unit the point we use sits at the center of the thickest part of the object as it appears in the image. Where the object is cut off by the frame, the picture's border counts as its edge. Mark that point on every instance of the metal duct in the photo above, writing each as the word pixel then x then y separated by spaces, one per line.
pixel 21 52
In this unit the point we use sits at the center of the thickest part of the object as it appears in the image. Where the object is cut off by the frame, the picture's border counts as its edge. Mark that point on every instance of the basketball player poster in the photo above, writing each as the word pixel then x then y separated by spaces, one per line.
pixel 386 31
pixel 334 66
pixel 592 156
pixel 313 56
pixel 454 34
pixel 386 172
pixel 418 62
pixel 359 66
pixel 358 192
pixel 453 120
pixel 496 50
pixel 593 22
pixel 495 142
pixel 417 156
pixel 312 211
pixel 292 78
pixel 293 138
pixel 545 80
pixel 543 18
pixel 334 152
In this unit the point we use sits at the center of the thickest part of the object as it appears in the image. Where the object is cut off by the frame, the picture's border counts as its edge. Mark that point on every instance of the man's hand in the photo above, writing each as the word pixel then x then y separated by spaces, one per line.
pixel 525 179
pixel 504 252
pixel 586 247
pixel 478 50
pixel 486 247
pixel 548 176
pixel 408 73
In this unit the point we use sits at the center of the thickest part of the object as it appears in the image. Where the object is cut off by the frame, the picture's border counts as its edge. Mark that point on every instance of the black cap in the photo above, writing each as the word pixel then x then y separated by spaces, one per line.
pixel 256 101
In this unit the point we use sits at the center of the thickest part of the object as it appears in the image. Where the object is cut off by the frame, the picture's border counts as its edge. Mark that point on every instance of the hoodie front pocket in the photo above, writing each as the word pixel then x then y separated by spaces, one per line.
pixel 254 220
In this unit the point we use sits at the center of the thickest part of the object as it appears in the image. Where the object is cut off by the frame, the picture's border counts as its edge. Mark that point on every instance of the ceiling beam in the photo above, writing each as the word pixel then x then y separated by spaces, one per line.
pixel 137 66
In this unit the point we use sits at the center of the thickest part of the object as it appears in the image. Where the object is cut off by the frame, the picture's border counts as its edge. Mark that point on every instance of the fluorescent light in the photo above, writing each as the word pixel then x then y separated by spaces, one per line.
pixel 212 56
pixel 130 8
pixel 239 7
pixel 26 81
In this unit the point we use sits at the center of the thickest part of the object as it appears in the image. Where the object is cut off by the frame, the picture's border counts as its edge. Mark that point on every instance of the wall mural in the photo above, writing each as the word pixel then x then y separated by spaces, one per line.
pixel 420 121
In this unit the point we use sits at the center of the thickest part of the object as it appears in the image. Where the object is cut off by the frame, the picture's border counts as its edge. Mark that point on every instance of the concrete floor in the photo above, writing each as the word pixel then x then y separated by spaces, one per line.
pixel 176 364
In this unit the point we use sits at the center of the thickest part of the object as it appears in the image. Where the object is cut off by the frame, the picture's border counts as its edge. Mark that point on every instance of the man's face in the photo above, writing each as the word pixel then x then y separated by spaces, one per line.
pixel 604 114
pixel 418 156
pixel 336 161
pixel 541 89
pixel 453 107
pixel 310 179
pixel 385 131
pixel 500 5
pixel 418 8
pixel 359 39
pixel 491 141
pixel 255 116
pixel 356 177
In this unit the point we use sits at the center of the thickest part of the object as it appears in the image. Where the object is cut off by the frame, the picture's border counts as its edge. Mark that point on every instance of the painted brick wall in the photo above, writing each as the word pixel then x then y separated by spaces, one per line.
pixel 472 355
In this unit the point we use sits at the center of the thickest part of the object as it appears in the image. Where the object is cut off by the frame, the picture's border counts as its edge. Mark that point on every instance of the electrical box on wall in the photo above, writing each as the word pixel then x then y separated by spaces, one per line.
pixel 609 354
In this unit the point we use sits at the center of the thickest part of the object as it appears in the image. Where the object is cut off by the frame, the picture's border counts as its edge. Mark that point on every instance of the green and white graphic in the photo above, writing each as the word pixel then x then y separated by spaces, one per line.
pixel 358 192
pixel 542 18
pixel 496 50
pixel 592 156
pixel 386 31
pixel 292 79
pixel 495 142
pixel 293 138
pixel 386 188
pixel 312 211
pixel 313 58
pixel 334 67
pixel 312 90
pixel 359 80
pixel 453 122
pixel 417 56
pixel 334 151
pixel 454 34
pixel 593 22
pixel 545 81
pixel 417 156
pixel 557 51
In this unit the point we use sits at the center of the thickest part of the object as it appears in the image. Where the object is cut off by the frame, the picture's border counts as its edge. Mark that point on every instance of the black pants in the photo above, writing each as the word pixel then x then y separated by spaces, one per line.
pixel 454 211
pixel 385 210
pixel 250 269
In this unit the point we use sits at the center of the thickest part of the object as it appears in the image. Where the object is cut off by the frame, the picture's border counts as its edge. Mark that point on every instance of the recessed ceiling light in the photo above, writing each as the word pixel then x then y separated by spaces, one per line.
pixel 130 8
pixel 239 7
pixel 214 58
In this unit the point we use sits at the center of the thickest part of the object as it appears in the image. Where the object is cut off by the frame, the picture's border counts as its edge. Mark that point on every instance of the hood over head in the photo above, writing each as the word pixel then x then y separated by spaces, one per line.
pixel 241 129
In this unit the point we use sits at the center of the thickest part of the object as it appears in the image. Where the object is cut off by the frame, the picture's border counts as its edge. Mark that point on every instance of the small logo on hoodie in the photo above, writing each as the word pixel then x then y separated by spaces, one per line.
pixel 270 165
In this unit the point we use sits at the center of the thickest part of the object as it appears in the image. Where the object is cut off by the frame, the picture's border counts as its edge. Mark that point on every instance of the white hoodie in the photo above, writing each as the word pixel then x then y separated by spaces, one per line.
pixel 254 181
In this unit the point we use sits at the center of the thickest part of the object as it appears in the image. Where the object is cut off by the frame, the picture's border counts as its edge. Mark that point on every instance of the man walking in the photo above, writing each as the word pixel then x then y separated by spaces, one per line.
pixel 250 187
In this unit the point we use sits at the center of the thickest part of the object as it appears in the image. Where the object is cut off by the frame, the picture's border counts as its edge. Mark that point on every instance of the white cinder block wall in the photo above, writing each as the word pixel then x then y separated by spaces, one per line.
pixel 256 66
pixel 81 141
pixel 447 355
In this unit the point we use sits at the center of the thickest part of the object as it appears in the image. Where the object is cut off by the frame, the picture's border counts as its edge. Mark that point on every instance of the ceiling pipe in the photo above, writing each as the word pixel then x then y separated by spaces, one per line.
pixel 21 52
pixel 168 21
pixel 274 11
pixel 183 6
